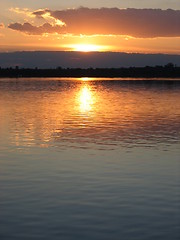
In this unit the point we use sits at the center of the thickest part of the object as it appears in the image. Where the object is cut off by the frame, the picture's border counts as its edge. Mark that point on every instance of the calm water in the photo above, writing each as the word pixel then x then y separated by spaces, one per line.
pixel 89 159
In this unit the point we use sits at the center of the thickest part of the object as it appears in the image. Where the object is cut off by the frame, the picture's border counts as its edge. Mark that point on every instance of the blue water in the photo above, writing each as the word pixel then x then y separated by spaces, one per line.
pixel 89 159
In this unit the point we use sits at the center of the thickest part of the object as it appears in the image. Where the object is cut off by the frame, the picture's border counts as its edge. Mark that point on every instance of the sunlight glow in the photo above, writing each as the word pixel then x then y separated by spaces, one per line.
pixel 87 48
pixel 85 99
pixel 85 79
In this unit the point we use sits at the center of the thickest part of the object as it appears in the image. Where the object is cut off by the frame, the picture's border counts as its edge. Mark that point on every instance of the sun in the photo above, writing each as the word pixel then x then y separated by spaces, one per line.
pixel 87 48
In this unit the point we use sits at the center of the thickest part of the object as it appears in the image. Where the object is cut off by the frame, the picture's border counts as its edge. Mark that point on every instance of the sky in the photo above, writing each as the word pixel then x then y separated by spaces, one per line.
pixel 133 26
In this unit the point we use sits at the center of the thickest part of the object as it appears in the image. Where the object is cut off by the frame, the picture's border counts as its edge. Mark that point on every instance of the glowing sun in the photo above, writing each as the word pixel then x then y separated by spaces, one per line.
pixel 87 48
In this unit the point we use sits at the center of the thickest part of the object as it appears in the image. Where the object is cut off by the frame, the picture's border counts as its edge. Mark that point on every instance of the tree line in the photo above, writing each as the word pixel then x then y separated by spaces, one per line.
pixel 169 70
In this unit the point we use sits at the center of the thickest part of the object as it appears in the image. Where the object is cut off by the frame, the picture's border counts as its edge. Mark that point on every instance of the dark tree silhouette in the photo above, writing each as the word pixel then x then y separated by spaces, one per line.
pixel 169 71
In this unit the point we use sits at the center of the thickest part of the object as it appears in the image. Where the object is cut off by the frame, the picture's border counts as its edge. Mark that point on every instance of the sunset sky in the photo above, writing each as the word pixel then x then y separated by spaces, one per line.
pixel 114 25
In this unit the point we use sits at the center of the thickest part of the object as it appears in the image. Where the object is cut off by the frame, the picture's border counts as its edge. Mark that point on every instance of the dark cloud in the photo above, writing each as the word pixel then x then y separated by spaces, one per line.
pixel 39 13
pixel 145 23
pixel 133 22
pixel 35 30
pixel 1 25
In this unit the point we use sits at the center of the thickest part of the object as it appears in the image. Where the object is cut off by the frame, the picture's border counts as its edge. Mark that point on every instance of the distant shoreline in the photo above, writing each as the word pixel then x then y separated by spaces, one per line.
pixel 167 71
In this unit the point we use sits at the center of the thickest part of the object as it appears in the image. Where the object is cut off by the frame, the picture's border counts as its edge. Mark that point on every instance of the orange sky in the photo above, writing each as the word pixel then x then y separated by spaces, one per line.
pixel 87 29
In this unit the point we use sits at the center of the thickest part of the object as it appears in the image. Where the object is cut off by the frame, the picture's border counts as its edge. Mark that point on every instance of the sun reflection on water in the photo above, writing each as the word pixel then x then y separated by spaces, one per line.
pixel 88 111
pixel 86 99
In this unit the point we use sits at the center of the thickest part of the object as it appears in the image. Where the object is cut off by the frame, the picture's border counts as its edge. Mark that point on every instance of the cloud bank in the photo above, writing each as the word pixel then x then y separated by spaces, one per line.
pixel 51 59
pixel 142 23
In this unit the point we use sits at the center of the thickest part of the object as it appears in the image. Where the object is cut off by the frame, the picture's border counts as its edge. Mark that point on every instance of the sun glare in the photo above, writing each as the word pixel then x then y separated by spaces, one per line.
pixel 85 99
pixel 87 48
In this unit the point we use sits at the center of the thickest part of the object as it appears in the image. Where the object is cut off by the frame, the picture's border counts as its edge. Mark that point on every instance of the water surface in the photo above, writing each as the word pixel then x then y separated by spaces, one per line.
pixel 89 159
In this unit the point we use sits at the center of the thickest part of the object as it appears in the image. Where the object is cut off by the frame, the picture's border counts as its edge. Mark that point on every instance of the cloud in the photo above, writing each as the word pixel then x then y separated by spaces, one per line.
pixel 46 15
pixel 35 30
pixel 143 23
pixel 1 25
pixel 24 11
pixel 41 13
